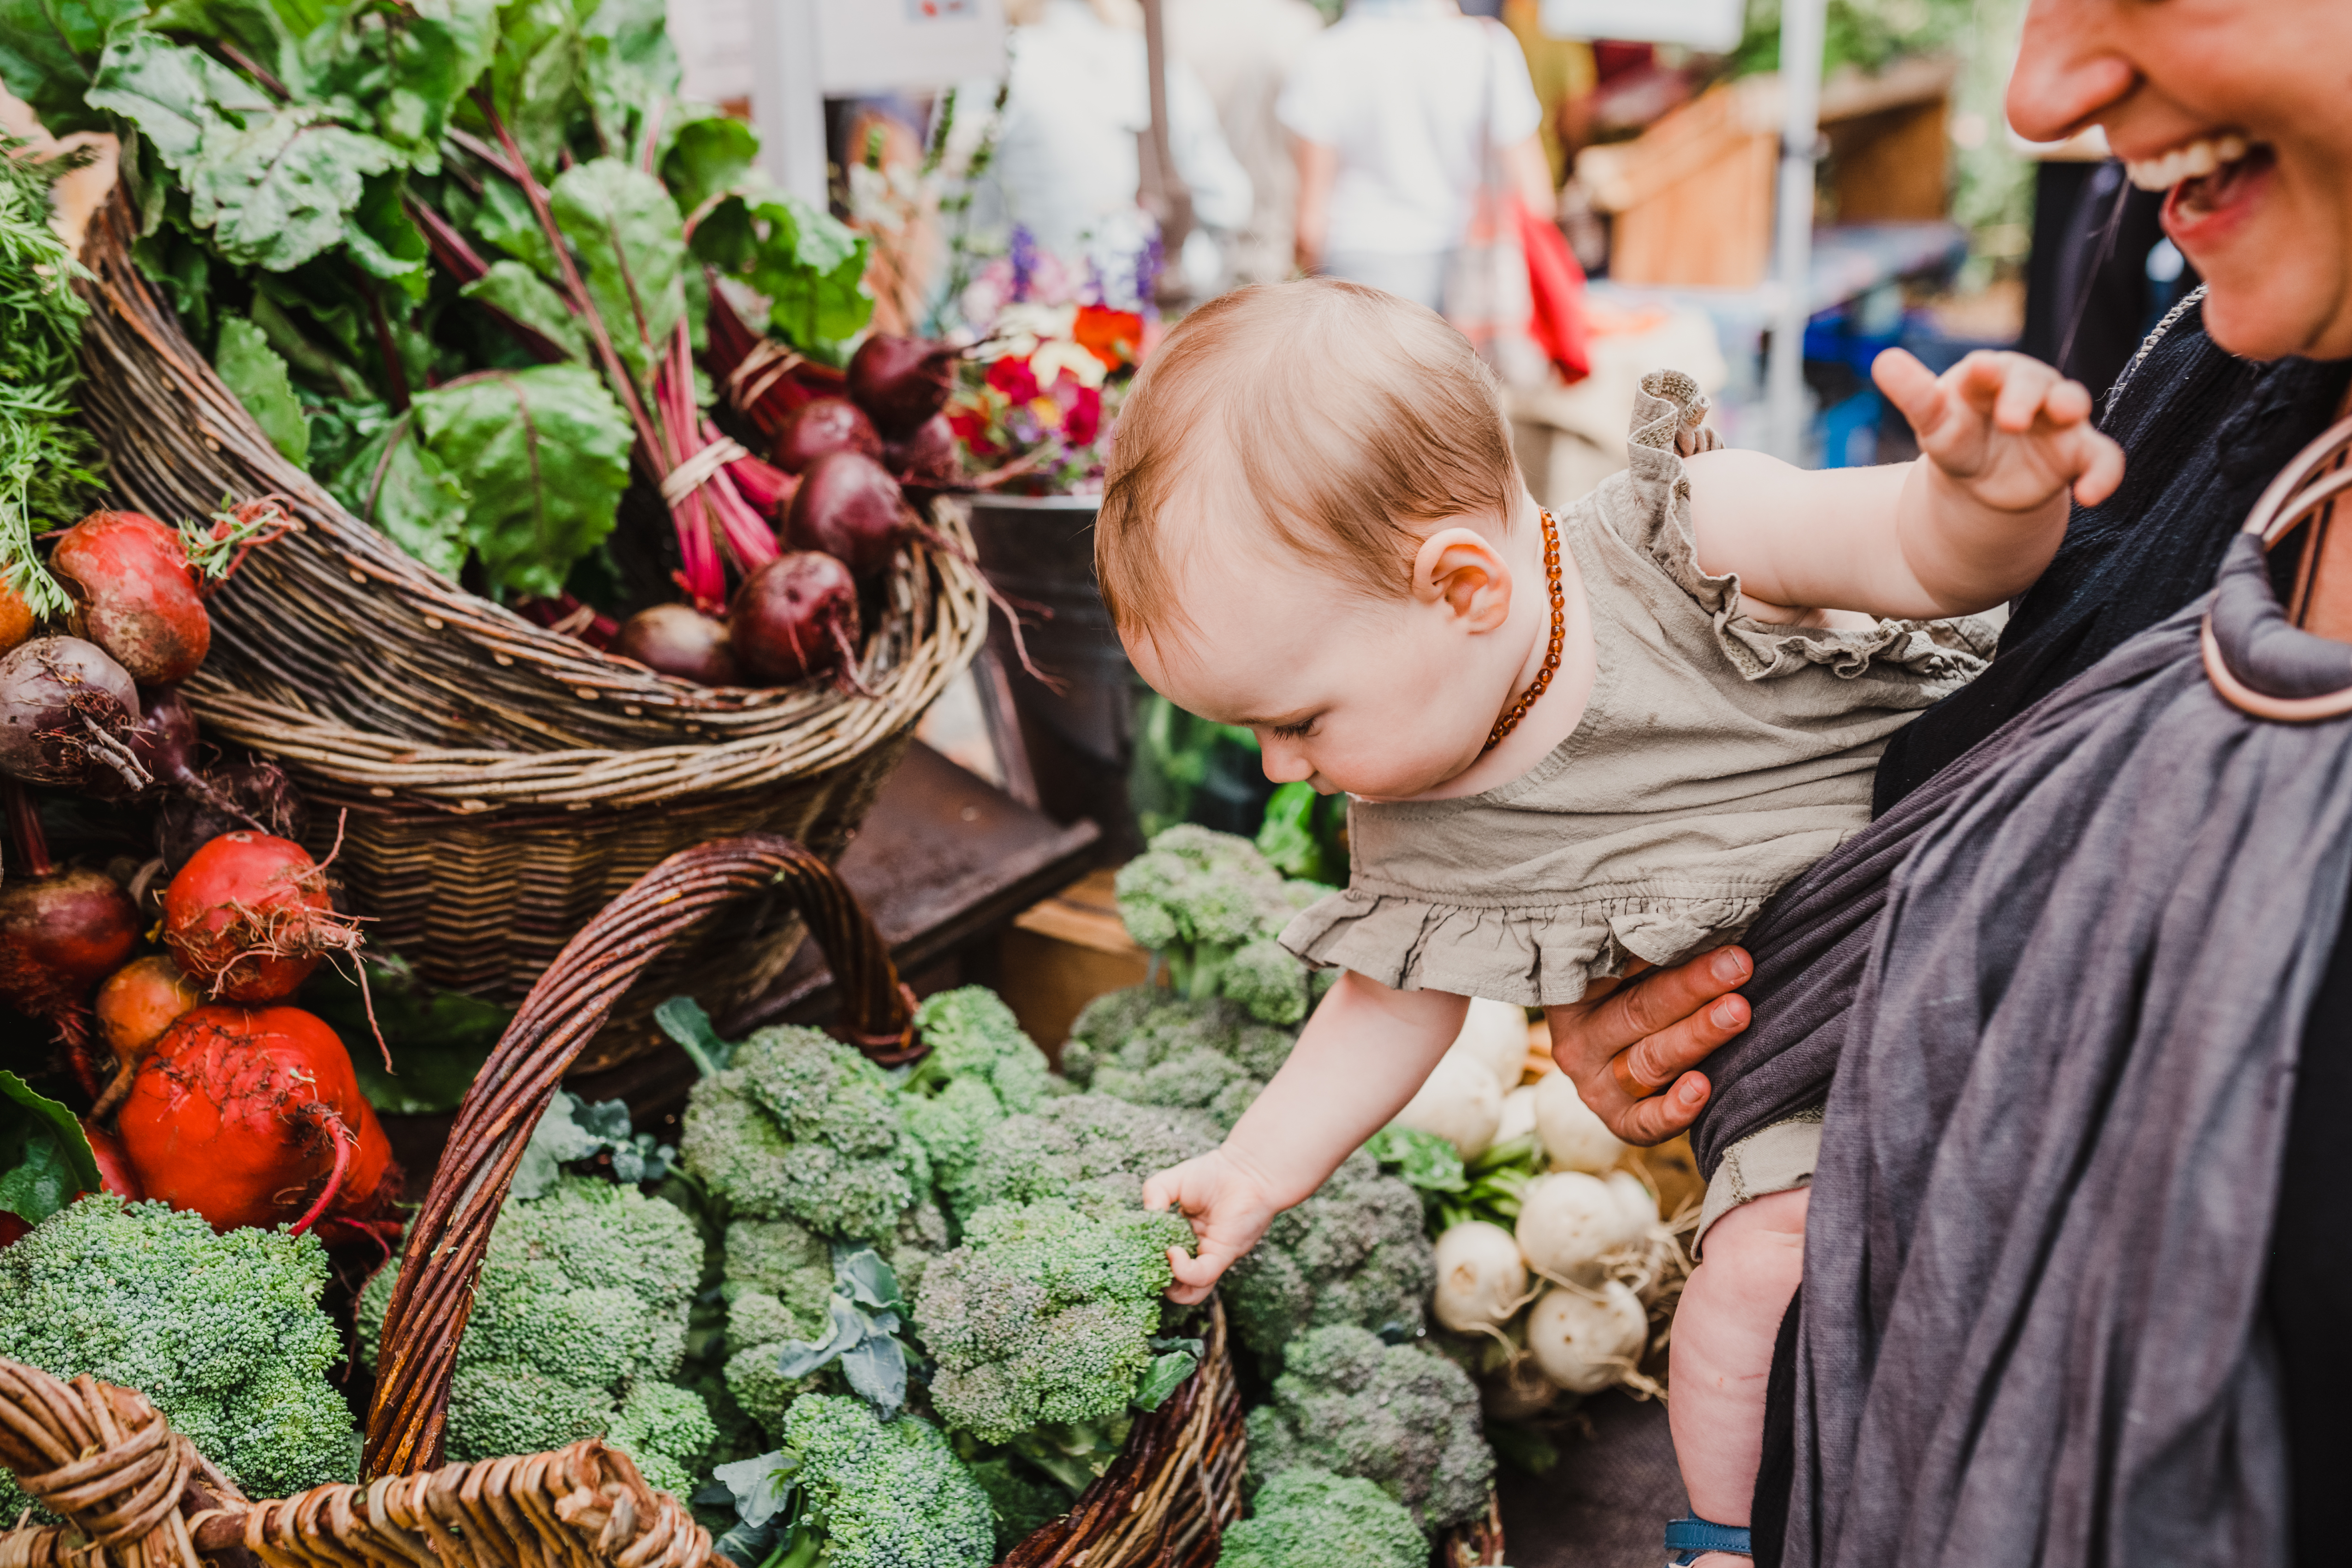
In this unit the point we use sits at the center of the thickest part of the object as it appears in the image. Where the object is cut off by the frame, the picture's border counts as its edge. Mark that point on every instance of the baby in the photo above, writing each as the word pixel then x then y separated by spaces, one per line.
pixel 1576 745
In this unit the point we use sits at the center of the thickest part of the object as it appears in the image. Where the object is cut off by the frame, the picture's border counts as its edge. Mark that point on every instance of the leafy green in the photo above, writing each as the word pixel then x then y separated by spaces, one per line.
pixel 42 454
pixel 808 265
pixel 49 50
pixel 250 367
pixel 862 1333
pixel 515 289
pixel 44 1160
pixel 396 483
pixel 574 1130
pixel 632 253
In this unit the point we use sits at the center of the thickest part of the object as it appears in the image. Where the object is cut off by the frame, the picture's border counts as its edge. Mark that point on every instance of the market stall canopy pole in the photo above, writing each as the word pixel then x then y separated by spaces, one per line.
pixel 787 97
pixel 1803 24
pixel 1163 194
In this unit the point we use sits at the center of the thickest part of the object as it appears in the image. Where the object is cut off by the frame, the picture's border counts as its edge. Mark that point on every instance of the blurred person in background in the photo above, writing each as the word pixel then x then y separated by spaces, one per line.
pixel 1243 52
pixel 1393 109
pixel 1068 159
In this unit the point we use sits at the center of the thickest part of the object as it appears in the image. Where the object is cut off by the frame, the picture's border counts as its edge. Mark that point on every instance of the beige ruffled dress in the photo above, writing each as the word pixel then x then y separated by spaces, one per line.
pixel 1719 756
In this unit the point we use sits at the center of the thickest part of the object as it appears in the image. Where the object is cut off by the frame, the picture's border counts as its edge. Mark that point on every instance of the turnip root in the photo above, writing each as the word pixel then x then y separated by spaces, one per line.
pixel 1459 1102
pixel 929 455
pixel 1573 1135
pixel 1635 1196
pixel 61 933
pixel 66 712
pixel 849 508
pixel 1519 1116
pixel 134 594
pixel 1480 1279
pixel 1587 1340
pixel 1495 1036
pixel 1569 1224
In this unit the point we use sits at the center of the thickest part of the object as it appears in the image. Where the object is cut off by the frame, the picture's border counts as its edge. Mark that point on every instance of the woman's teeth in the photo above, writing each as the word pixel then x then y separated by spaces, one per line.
pixel 2191 161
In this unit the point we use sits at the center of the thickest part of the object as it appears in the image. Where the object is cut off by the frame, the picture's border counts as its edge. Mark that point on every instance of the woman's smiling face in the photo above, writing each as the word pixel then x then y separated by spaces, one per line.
pixel 2241 110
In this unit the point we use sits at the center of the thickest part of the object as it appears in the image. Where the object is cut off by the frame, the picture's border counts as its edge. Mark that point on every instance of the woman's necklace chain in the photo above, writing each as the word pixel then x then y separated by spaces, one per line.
pixel 1536 688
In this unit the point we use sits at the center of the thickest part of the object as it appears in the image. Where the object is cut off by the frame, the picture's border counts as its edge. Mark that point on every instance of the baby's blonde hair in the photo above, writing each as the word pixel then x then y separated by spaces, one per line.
pixel 1352 420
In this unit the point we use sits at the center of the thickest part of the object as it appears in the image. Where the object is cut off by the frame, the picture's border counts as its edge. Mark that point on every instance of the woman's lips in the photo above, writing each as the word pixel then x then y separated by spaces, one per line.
pixel 2200 210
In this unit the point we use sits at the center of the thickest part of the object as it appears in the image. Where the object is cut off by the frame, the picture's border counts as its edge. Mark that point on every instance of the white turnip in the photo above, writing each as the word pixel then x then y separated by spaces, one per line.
pixel 1480 1279
pixel 1574 1137
pixel 1519 1116
pixel 1460 1102
pixel 1569 1224
pixel 1586 1341
pixel 1495 1036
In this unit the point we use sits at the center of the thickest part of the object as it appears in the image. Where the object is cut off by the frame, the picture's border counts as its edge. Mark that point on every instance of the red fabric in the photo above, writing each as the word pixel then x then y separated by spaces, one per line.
pixel 1555 291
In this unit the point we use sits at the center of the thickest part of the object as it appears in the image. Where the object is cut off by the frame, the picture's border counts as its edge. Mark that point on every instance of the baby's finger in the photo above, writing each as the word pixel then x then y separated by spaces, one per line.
pixel 2099 466
pixel 2025 386
pixel 1164 1188
pixel 1978 379
pixel 1189 1290
pixel 1912 388
pixel 2068 403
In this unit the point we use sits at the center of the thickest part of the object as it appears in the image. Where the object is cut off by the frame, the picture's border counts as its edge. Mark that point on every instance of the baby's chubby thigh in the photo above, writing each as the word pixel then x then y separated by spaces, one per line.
pixel 1721 1355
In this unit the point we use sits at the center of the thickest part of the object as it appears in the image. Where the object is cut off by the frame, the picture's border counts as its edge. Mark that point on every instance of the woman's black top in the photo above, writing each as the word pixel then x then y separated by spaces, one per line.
pixel 2202 434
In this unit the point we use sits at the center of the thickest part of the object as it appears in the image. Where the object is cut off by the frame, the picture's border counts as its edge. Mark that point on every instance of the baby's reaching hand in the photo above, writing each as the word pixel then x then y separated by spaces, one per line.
pixel 2006 431
pixel 1229 1207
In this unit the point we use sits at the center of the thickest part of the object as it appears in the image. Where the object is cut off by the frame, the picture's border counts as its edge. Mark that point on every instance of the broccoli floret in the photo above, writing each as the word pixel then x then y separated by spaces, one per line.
pixel 1354 1253
pixel 801 1127
pixel 1089 1150
pixel 885 1494
pixel 1311 1518
pixel 1211 906
pixel 980 1070
pixel 1398 1416
pixel 579 1321
pixel 779 1288
pixel 1151 1046
pixel 223 1332
pixel 1044 1316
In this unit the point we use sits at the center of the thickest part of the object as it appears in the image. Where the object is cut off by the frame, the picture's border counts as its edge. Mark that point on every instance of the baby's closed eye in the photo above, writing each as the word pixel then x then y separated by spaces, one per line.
pixel 1298 729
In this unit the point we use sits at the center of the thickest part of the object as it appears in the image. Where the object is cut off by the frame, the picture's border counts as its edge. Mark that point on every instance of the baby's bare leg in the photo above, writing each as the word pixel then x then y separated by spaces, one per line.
pixel 1721 1356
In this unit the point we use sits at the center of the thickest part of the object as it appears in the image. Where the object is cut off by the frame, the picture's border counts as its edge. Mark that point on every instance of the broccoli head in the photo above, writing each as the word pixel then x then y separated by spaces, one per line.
pixel 1354 1253
pixel 223 1332
pixel 1310 1519
pixel 1211 905
pixel 1400 1416
pixel 579 1321
pixel 1045 1316
pixel 801 1127
pixel 1151 1046
pixel 779 1289
pixel 885 1494
pixel 1088 1150
pixel 980 1070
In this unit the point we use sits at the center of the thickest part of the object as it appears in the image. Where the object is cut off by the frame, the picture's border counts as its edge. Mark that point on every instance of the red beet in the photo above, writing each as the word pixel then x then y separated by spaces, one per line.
pixel 134 594
pixel 249 917
pixel 826 424
pixel 680 640
pixel 930 454
pixel 795 618
pixel 60 934
pixel 241 797
pixel 901 382
pixel 253 1117
pixel 67 712
pixel 850 508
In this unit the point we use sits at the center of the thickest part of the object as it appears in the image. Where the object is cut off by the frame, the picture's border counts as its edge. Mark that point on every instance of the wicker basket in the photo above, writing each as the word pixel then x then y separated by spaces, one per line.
pixel 502 780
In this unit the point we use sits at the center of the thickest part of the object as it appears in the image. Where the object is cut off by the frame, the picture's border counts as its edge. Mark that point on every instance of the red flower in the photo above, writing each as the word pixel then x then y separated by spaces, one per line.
pixel 972 430
pixel 1114 337
pixel 1084 421
pixel 1013 378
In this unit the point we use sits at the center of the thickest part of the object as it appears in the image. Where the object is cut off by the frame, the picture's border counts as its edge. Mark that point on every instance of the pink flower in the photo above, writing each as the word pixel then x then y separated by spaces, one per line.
pixel 1084 420
pixel 1013 378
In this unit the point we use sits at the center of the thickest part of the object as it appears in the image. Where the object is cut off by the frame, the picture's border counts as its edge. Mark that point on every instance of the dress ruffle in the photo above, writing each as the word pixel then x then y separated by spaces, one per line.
pixel 1667 412
pixel 1533 955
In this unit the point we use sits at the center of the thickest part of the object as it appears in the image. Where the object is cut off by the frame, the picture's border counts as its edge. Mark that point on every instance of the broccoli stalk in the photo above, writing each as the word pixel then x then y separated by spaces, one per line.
pixel 223 1332
pixel 1210 907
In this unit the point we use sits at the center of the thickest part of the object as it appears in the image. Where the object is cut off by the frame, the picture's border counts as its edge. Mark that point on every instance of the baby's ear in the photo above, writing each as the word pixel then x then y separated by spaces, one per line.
pixel 1459 570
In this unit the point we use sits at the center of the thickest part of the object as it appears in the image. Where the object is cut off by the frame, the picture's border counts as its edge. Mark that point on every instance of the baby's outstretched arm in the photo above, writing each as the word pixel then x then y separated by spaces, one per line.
pixel 1360 1058
pixel 2004 441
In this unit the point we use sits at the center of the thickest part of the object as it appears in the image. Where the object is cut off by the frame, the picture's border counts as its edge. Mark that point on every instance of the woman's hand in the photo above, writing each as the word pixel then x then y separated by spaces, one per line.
pixel 1230 1207
pixel 1645 1034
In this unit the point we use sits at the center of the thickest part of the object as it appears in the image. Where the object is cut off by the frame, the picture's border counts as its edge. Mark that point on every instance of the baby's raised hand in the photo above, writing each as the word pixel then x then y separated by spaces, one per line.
pixel 2007 430
pixel 1229 1208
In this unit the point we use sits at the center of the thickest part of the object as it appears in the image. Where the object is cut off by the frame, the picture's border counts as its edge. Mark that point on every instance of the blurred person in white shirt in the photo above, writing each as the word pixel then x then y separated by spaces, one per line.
pixel 1068 162
pixel 1243 51
pixel 1393 109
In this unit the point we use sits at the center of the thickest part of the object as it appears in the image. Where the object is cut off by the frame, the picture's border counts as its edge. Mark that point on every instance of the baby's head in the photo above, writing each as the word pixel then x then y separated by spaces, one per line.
pixel 1313 526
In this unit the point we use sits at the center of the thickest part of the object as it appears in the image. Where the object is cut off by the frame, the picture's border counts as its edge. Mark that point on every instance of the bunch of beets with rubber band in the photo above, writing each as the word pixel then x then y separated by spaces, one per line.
pixel 206 1090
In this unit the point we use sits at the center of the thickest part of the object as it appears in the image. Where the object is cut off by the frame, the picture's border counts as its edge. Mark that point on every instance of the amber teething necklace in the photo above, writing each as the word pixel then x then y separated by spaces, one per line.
pixel 1536 688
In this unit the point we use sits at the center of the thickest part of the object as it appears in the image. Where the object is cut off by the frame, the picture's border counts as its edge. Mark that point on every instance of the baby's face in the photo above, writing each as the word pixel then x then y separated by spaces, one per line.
pixel 1385 696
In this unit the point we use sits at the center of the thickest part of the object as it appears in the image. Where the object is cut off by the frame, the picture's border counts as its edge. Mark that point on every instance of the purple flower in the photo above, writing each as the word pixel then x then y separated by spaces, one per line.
pixel 1024 261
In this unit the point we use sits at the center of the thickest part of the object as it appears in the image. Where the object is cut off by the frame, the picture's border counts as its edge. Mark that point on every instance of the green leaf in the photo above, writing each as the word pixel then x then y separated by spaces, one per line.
pixel 45 1159
pixel 179 98
pixel 49 51
pixel 284 190
pixel 385 241
pixel 265 34
pixel 627 66
pixel 515 289
pixel 250 367
pixel 632 251
pixel 708 152
pixel 683 1020
pixel 1422 1159
pixel 545 453
pixel 398 485
pixel 811 267
pixel 415 64
pixel 438 1038
pixel 534 77
pixel 506 220
pixel 1166 1373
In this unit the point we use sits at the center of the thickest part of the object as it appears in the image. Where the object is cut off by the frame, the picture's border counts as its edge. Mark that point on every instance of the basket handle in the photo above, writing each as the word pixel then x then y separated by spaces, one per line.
pixel 569 1004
